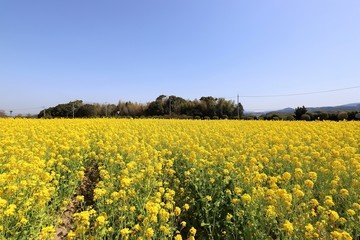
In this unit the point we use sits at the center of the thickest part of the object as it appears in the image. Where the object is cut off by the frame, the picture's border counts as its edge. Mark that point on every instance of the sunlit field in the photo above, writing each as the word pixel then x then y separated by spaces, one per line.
pixel 179 179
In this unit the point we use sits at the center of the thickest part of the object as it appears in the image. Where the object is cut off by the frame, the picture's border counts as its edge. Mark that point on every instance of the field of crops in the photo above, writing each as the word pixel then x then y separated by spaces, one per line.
pixel 179 179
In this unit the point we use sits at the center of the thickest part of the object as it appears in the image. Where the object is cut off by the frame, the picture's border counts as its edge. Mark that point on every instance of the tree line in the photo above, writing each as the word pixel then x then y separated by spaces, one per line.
pixel 302 113
pixel 176 107
pixel 163 107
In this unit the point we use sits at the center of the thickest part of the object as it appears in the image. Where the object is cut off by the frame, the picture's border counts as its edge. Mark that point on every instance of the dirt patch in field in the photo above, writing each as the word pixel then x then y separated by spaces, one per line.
pixel 86 189
pixel 92 176
pixel 66 221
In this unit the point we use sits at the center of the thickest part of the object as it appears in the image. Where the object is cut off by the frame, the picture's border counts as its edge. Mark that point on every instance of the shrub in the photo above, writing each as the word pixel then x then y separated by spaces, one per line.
pixel 342 116
pixel 357 116
pixel 305 117
pixel 324 116
pixel 290 118
pixel 299 111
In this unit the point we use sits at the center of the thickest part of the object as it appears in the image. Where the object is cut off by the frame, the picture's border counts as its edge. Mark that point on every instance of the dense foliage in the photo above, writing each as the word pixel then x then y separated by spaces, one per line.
pixel 177 107
pixel 163 106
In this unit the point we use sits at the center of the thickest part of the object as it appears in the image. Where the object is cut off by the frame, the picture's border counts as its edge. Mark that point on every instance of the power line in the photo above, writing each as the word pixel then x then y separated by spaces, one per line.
pixel 232 97
pixel 298 94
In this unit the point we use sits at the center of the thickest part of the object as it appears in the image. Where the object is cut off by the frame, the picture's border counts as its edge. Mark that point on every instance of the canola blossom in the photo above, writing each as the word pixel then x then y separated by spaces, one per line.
pixel 179 179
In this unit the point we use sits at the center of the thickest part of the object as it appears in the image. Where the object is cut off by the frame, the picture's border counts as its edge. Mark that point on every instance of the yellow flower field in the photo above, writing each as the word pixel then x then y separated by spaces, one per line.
pixel 179 179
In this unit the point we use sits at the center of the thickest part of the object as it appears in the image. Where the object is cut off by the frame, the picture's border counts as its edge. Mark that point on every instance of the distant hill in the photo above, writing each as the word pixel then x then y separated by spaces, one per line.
pixel 346 107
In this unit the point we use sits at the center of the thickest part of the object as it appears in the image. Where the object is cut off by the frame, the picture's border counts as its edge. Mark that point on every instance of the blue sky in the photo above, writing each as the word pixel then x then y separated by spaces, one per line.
pixel 54 52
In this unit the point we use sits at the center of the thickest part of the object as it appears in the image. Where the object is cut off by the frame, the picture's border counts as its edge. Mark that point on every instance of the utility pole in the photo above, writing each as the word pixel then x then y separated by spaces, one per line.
pixel 44 112
pixel 73 110
pixel 170 106
pixel 238 109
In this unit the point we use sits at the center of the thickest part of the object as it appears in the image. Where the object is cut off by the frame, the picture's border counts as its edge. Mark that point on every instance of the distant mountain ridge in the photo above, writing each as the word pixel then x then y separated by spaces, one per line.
pixel 345 107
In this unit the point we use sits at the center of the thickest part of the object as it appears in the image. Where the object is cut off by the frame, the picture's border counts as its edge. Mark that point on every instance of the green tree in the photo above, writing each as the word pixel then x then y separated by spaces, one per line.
pixel 61 110
pixel 227 108
pixel 342 115
pixel 191 108
pixel 86 111
pixel 305 117
pixel 239 111
pixel 172 105
pixel 299 111
pixel 324 115
pixel 357 116
pixel 208 106
pixel 156 108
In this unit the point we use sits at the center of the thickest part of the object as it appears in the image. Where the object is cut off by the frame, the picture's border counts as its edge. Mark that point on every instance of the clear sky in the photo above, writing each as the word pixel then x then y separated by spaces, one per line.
pixel 54 52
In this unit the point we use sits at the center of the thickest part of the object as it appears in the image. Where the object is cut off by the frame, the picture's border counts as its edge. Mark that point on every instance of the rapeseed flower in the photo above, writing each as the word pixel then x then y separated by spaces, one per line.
pixel 148 167
pixel 149 233
pixel 192 231
pixel 246 198
pixel 288 227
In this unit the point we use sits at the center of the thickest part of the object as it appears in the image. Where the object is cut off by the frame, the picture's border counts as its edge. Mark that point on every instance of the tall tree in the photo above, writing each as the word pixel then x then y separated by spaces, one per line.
pixel 239 110
pixel 86 111
pixel 209 106
pixel 227 108
pixel 156 108
pixel 299 111
pixel 62 110
pixel 172 105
